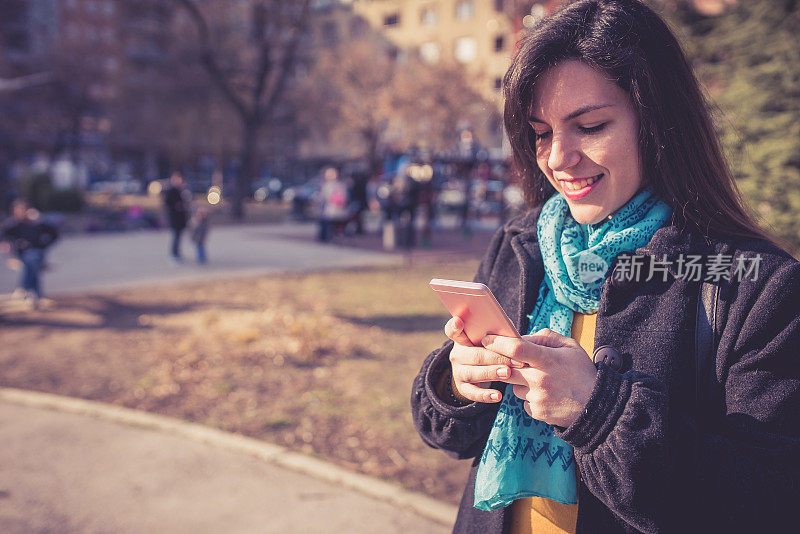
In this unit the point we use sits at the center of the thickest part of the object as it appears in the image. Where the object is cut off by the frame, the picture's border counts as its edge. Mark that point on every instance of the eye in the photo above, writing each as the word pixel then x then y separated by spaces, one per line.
pixel 593 129
pixel 542 135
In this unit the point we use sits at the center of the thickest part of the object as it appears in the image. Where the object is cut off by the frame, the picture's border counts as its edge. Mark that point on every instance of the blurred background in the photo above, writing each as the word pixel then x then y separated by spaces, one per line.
pixel 255 97
pixel 311 346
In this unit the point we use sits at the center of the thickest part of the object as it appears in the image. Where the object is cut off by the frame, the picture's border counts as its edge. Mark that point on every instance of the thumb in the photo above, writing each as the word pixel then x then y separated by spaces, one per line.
pixel 548 338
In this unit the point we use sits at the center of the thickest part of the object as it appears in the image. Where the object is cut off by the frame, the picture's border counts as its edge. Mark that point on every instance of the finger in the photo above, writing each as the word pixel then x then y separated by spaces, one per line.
pixel 527 407
pixel 548 338
pixel 481 356
pixel 529 377
pixel 516 378
pixel 478 394
pixel 521 392
pixel 454 329
pixel 521 350
pixel 478 374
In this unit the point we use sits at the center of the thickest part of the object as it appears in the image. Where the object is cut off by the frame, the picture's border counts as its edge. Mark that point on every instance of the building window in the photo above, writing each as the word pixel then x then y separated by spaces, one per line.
pixel 466 49
pixel 499 43
pixel 498 84
pixel 430 53
pixel 465 9
pixel 428 16
pixel 499 5
pixel 391 20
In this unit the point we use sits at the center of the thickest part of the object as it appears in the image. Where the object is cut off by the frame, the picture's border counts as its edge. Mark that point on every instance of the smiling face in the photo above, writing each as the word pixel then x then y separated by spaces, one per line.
pixel 586 140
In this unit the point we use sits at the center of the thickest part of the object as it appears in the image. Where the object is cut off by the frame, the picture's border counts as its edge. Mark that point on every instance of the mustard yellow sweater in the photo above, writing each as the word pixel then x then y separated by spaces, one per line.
pixel 539 515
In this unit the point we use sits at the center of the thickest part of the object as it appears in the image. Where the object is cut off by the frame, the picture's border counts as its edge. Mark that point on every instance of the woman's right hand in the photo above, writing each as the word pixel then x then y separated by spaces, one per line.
pixel 475 368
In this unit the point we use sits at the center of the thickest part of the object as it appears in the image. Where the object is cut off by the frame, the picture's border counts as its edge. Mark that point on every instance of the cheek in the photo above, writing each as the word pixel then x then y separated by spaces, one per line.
pixel 542 157
pixel 615 152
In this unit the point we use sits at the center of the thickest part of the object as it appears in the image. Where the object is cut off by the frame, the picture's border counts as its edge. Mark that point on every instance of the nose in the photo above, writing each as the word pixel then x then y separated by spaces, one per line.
pixel 563 154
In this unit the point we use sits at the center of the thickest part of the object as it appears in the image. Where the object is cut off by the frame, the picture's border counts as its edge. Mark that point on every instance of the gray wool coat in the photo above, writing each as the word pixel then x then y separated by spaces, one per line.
pixel 651 459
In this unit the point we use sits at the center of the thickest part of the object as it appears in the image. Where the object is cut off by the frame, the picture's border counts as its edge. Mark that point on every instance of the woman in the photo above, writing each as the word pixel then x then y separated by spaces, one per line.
pixel 601 420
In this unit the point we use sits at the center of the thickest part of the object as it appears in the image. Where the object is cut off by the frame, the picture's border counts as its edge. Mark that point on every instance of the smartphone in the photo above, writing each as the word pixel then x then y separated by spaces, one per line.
pixel 476 306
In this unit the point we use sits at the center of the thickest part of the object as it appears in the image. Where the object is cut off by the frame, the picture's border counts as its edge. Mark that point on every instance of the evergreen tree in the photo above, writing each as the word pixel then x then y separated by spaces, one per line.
pixel 749 59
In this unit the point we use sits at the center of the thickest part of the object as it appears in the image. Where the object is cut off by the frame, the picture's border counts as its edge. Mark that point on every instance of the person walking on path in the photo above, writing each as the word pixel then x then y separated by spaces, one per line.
pixel 200 232
pixel 28 237
pixel 333 204
pixel 656 386
pixel 177 200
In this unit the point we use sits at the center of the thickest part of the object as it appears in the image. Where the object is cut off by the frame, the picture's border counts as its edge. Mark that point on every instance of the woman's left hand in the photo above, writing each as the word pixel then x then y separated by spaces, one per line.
pixel 559 380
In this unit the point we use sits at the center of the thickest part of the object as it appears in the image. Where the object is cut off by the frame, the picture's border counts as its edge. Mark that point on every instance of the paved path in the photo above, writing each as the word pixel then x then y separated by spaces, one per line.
pixel 85 262
pixel 114 470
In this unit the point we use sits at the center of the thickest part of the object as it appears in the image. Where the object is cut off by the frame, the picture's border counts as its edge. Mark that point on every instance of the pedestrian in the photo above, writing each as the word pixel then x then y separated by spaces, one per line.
pixel 200 225
pixel 28 237
pixel 404 200
pixel 177 200
pixel 333 203
pixel 359 199
pixel 665 399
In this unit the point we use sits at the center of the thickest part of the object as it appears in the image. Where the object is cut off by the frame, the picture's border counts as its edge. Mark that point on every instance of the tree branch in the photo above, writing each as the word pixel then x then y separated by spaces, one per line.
pixel 208 59
pixel 290 51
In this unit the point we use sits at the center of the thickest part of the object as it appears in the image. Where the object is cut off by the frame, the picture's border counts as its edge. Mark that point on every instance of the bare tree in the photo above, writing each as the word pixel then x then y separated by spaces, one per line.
pixel 248 52
pixel 362 94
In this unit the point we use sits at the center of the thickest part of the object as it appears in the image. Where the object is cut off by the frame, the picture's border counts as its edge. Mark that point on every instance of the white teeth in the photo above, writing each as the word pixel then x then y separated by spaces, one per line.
pixel 580 184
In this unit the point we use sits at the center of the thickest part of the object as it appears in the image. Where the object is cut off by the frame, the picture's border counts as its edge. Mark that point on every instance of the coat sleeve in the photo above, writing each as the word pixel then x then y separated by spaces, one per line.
pixel 460 431
pixel 662 471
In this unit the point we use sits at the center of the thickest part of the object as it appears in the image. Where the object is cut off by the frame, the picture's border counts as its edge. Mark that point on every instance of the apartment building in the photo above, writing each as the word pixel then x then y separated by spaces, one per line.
pixel 475 33
pixel 479 35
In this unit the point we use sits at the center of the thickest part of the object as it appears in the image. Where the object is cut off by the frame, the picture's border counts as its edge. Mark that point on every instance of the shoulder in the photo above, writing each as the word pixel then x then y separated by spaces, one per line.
pixel 514 241
pixel 764 288
pixel 523 223
pixel 769 262
pixel 521 226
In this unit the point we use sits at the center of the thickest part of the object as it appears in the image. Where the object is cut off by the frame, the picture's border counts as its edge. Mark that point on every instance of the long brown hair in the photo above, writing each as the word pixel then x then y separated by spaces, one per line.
pixel 682 160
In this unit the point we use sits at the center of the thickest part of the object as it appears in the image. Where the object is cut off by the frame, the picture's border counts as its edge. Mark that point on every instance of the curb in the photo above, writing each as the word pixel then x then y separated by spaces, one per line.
pixel 424 506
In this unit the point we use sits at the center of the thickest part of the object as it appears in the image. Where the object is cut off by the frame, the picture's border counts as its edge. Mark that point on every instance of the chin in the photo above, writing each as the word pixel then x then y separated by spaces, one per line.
pixel 587 216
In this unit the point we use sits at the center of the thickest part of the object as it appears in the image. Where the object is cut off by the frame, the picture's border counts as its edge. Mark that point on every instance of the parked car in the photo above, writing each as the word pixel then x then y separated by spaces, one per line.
pixel 303 198
pixel 267 189
pixel 488 199
pixel 120 187
pixel 452 197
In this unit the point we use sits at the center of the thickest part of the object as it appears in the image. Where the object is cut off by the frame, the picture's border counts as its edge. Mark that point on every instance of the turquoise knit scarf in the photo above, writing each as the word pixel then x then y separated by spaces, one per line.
pixel 523 457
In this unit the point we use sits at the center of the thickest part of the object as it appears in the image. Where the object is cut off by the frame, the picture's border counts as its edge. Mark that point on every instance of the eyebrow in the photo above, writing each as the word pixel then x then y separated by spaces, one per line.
pixel 577 113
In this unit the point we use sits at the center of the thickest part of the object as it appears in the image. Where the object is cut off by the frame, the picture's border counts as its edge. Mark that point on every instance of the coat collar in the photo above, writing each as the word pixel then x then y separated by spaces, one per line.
pixel 671 240
pixel 524 237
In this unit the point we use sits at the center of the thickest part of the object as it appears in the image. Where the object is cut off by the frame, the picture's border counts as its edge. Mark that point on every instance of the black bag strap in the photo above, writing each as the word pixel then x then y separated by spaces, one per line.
pixel 705 336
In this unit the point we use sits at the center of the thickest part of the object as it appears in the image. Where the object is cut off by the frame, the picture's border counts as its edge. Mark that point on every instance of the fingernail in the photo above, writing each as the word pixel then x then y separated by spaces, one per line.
pixel 515 363
pixel 504 372
pixel 495 396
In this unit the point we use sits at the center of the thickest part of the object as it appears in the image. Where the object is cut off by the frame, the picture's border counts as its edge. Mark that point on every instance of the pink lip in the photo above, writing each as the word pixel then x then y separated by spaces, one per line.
pixel 580 193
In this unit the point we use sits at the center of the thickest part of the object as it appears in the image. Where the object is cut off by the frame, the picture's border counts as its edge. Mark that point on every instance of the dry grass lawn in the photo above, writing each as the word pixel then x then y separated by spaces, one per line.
pixel 321 363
